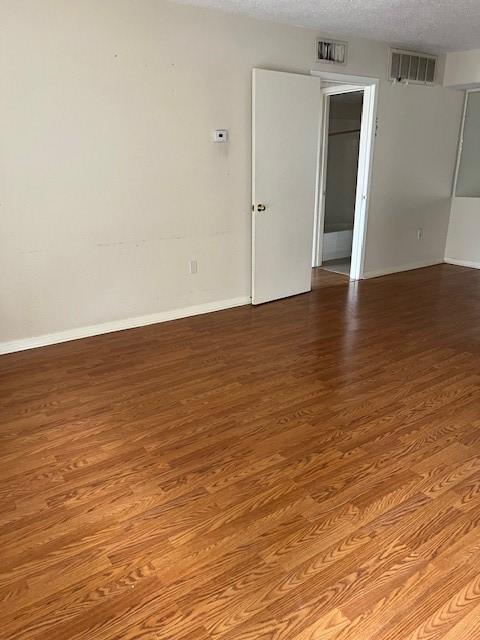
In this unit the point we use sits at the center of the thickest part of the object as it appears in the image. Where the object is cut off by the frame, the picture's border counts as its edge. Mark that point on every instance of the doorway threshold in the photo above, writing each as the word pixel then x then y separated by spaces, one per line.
pixel 339 265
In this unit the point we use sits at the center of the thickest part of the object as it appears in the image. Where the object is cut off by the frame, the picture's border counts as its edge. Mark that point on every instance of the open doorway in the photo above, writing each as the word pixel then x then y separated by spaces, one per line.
pixel 288 137
pixel 345 161
pixel 344 114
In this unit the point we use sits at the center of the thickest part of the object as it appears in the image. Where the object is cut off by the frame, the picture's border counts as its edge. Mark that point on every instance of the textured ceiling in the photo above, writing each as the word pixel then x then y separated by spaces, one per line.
pixel 428 25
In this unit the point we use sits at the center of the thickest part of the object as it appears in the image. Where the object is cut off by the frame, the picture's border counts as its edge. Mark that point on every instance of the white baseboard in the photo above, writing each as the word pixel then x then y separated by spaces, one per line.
pixel 119 325
pixel 164 316
pixel 463 263
pixel 406 267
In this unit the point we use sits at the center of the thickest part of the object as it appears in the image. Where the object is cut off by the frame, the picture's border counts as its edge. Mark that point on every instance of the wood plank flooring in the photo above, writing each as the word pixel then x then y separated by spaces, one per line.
pixel 305 470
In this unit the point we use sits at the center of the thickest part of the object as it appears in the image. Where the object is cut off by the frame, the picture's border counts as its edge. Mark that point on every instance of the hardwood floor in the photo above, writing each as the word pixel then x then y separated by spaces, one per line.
pixel 304 470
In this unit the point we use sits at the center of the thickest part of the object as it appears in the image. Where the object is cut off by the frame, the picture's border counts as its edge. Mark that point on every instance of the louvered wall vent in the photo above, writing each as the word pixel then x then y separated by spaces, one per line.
pixel 408 66
pixel 331 51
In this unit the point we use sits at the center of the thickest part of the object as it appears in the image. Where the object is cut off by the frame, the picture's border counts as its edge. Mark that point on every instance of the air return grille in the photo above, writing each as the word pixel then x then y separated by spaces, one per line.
pixel 331 51
pixel 408 66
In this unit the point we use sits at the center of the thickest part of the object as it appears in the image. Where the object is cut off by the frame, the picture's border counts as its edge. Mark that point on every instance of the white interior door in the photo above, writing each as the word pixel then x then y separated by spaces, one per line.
pixel 286 125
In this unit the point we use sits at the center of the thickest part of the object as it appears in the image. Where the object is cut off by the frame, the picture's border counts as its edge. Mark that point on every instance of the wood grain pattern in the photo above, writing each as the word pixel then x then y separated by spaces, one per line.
pixel 304 470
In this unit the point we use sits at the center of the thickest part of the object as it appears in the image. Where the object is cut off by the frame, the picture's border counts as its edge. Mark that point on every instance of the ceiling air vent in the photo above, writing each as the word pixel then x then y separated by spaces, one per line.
pixel 331 51
pixel 408 66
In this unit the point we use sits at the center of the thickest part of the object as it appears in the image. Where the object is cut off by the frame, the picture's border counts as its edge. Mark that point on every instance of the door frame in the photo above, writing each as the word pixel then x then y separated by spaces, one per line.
pixel 347 84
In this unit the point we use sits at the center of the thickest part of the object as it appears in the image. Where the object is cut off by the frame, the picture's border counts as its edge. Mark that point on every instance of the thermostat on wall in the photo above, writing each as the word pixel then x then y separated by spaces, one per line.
pixel 220 135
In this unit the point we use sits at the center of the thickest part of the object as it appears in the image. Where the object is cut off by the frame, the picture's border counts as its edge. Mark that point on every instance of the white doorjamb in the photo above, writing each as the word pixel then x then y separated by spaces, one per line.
pixel 348 84
pixel 319 214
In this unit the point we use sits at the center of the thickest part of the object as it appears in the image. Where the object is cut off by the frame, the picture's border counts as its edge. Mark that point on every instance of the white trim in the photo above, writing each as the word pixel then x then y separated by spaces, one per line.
pixel 463 263
pixel 460 144
pixel 407 267
pixel 319 213
pixel 344 78
pixel 120 325
pixel 364 180
pixel 342 88
pixel 348 84
pixel 252 182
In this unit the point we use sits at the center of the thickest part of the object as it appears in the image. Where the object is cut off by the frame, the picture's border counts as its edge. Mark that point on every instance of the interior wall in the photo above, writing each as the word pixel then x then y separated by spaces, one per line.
pixel 415 156
pixel 109 179
pixel 463 246
pixel 463 70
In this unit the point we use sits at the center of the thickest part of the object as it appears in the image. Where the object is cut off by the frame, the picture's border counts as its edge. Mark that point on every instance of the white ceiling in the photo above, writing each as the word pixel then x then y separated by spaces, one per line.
pixel 426 25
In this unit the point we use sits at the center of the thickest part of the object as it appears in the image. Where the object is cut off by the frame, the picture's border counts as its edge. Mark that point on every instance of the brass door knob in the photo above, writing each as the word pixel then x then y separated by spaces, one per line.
pixel 261 207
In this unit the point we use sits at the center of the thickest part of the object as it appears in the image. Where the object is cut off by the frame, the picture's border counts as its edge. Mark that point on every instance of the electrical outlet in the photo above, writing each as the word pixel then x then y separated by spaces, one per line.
pixel 192 267
pixel 419 234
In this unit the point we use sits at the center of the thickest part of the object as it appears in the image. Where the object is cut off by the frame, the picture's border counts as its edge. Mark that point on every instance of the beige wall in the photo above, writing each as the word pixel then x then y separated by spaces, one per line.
pixel 109 181
pixel 463 246
pixel 415 157
pixel 462 69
